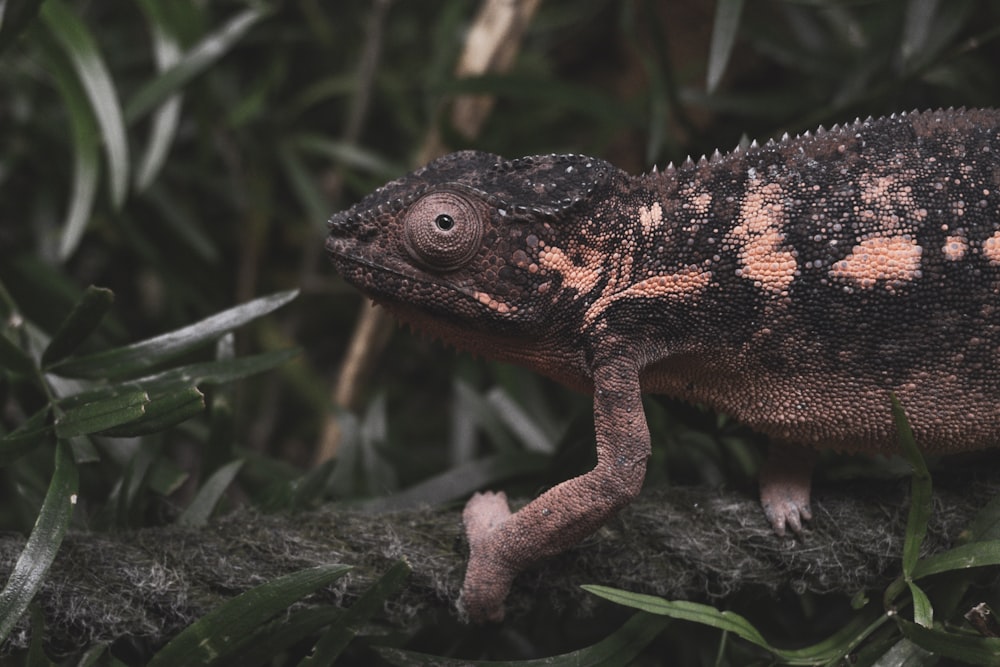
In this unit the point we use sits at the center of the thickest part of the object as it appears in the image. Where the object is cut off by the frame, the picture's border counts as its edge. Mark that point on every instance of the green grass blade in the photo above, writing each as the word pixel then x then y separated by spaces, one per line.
pixel 15 16
pixel 216 633
pixel 86 315
pixel 976 554
pixel 343 631
pixel 619 648
pixel 985 525
pixel 86 173
pixel 688 611
pixel 724 29
pixel 303 183
pixel 85 135
pixel 103 414
pixel 131 359
pixel 461 480
pixel 347 154
pixel 80 46
pixel 208 496
pixel 43 543
pixel 831 649
pixel 166 118
pixel 280 634
pixel 920 492
pixel 966 649
pixel 36 647
pixel 918 24
pixel 182 222
pixel 163 411
pixel 923 612
pixel 13 358
pixel 31 434
pixel 191 64
pixel 192 375
pixel 222 372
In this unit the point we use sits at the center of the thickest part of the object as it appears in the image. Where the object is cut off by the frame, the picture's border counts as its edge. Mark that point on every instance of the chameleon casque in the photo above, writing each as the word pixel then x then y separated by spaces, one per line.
pixel 793 285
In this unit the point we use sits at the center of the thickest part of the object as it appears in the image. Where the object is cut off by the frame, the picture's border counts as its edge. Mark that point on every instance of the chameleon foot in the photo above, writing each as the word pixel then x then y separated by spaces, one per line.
pixel 488 576
pixel 785 483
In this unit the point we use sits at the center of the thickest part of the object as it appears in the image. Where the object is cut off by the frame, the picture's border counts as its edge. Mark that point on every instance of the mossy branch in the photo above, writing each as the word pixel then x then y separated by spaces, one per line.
pixel 692 543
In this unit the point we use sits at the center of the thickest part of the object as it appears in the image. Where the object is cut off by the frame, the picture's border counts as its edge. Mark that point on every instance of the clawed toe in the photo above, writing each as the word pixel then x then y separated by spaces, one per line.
pixel 787 513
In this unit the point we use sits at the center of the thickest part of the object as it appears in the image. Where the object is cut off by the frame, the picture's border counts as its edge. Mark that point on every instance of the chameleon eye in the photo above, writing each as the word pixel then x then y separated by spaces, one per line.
pixel 442 230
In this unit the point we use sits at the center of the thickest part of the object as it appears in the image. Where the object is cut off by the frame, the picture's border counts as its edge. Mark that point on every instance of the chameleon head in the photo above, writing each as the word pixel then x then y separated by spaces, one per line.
pixel 454 247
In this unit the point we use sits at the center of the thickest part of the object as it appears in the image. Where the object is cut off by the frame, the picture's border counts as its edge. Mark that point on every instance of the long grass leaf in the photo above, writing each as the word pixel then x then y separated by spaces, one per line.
pixel 13 358
pixel 166 118
pixel 336 639
pixel 831 649
pixel 103 414
pixel 36 647
pixel 963 556
pixel 463 479
pixel 85 134
pixel 727 22
pixel 966 649
pixel 216 633
pixel 86 315
pixel 923 612
pixel 619 648
pixel 43 543
pixel 31 434
pixel 280 634
pixel 920 491
pixel 131 359
pixel 191 64
pixel 190 375
pixel 918 23
pixel 303 183
pixel 15 17
pixel 163 411
pixel 346 153
pixel 208 496
pixel 74 36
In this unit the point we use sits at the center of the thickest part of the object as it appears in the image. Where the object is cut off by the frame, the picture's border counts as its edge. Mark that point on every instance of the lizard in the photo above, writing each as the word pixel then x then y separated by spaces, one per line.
pixel 794 285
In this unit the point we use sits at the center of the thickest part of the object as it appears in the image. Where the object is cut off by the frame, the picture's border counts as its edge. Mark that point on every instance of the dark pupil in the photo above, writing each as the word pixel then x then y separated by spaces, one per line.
pixel 444 222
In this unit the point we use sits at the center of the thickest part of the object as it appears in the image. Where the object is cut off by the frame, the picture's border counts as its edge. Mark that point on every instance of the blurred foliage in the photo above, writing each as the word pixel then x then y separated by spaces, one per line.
pixel 184 155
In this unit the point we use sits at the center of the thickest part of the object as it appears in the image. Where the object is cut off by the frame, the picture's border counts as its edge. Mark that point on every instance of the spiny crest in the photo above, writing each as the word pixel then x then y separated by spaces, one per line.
pixel 744 147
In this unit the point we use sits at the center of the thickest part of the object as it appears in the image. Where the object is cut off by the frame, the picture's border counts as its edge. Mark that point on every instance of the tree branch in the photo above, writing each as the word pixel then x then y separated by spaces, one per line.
pixel 692 543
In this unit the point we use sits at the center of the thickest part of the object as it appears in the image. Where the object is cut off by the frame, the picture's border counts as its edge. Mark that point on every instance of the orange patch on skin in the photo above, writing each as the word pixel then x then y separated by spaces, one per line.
pixel 893 259
pixel 764 258
pixel 650 217
pixel 682 285
pixel 702 202
pixel 954 248
pixel 581 278
pixel 991 248
pixel 490 302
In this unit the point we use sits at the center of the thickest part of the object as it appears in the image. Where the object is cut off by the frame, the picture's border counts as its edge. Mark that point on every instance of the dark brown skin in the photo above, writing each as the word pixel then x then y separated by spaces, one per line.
pixel 794 286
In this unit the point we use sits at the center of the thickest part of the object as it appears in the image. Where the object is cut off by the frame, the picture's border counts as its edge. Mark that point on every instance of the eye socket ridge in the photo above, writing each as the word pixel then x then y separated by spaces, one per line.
pixel 443 230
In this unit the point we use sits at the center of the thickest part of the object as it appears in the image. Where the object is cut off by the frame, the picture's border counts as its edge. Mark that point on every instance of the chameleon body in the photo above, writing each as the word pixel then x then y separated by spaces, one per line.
pixel 794 286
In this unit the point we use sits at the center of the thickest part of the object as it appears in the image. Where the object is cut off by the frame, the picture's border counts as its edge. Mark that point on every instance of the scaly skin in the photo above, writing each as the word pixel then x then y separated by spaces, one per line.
pixel 794 286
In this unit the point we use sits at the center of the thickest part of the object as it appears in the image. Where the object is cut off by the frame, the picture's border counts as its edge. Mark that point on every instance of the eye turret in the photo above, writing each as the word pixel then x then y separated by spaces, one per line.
pixel 443 230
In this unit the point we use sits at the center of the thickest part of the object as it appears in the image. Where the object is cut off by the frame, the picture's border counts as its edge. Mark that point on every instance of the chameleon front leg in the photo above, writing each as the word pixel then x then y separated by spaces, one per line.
pixel 502 544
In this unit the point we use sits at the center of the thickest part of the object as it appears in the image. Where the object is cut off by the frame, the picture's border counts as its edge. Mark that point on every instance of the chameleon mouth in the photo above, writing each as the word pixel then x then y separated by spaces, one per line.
pixel 358 270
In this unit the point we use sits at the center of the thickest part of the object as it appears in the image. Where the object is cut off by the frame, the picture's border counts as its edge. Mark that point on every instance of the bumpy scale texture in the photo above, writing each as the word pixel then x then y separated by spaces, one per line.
pixel 793 285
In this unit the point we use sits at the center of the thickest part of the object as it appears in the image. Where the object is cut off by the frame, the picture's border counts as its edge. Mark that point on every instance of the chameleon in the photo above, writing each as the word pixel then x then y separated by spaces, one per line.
pixel 794 285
